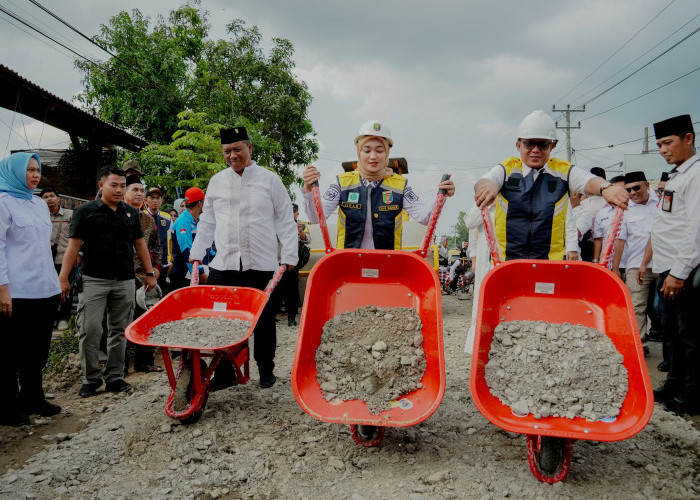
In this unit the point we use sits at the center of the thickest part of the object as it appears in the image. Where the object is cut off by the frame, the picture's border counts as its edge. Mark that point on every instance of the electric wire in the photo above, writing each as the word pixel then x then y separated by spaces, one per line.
pixel 617 50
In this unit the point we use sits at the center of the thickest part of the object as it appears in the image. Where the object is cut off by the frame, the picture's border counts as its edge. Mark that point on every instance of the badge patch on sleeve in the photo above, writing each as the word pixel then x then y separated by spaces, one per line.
pixel 182 231
pixel 387 197
pixel 332 192
pixel 409 195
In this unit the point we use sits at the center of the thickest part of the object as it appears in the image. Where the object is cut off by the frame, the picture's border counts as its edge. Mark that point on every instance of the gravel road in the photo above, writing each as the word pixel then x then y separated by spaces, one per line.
pixel 259 443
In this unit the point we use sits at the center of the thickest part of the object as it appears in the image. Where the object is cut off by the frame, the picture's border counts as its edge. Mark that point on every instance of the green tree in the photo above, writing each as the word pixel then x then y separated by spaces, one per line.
pixel 162 70
pixel 461 229
pixel 194 154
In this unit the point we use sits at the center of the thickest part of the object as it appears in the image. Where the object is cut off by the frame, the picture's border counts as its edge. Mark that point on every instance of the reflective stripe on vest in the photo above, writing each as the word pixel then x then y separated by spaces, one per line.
pixel 530 220
pixel 386 203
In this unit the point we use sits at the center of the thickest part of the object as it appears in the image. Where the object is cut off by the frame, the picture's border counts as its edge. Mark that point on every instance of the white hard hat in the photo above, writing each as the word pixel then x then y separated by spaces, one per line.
pixel 537 125
pixel 374 128
pixel 147 299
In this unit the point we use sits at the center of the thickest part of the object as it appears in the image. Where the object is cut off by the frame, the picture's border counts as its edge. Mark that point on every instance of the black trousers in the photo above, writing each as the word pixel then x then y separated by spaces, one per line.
pixel 265 333
pixel 26 340
pixel 289 291
pixel 680 319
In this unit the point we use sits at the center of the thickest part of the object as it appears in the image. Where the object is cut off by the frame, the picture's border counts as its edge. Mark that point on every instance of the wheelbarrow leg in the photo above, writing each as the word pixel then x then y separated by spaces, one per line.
pixel 549 457
pixel 367 435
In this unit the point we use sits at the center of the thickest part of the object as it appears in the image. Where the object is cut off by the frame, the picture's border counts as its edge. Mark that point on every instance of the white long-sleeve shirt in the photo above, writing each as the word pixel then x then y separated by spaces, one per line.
pixel 675 233
pixel 419 211
pixel 636 228
pixel 26 264
pixel 245 215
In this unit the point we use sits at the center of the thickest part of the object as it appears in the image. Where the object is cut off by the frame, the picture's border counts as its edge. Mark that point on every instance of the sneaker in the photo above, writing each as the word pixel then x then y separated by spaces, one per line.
pixel 118 386
pixel 62 326
pixel 645 348
pixel 267 381
pixel 89 389
pixel 666 392
pixel 14 419
pixel 43 408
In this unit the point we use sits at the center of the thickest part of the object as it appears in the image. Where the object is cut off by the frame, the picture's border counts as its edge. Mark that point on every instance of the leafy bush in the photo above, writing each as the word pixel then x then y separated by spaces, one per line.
pixel 61 347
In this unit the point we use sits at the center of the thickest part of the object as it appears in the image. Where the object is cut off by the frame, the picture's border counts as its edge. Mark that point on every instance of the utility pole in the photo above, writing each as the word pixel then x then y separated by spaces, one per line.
pixel 646 141
pixel 568 127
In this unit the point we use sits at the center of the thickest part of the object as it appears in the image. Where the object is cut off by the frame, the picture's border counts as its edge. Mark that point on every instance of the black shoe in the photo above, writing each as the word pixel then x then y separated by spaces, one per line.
pixel 267 381
pixel 89 389
pixel 218 383
pixel 682 405
pixel 655 336
pixel 292 322
pixel 666 392
pixel 645 348
pixel 43 408
pixel 118 386
pixel 14 419
pixel 664 366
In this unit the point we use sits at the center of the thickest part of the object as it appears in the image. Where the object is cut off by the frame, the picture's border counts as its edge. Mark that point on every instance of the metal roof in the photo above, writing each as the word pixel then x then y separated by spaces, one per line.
pixel 25 97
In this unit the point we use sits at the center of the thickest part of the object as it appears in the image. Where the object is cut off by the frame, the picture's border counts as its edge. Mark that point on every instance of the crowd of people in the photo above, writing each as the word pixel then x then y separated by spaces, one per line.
pixel 244 226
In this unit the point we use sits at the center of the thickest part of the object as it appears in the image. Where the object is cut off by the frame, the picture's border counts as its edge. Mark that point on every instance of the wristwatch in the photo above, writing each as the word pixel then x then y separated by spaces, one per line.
pixel 604 186
pixel 150 274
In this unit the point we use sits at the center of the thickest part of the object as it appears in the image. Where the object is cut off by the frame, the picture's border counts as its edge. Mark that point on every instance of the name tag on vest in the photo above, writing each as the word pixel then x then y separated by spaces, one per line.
pixel 388 208
pixel 347 204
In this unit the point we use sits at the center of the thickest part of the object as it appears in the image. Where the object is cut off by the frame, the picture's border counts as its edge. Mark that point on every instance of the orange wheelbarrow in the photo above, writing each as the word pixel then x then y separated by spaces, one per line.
pixel 346 279
pixel 557 292
pixel 189 386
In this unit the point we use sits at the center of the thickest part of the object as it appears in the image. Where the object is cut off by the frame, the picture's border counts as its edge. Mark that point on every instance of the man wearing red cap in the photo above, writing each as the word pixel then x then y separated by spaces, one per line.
pixel 247 211
pixel 184 231
pixel 675 241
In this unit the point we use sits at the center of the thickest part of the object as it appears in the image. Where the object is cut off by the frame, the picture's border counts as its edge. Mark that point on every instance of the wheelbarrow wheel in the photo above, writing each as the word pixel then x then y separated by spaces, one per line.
pixel 549 457
pixel 367 435
pixel 184 389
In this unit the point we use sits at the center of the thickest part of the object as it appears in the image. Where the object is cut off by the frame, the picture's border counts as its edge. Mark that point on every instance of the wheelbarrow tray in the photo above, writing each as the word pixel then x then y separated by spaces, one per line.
pixel 201 301
pixel 345 280
pixel 556 292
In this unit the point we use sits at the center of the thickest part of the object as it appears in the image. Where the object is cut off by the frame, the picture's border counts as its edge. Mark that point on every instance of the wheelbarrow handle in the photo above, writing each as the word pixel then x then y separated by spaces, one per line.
pixel 318 205
pixel 609 248
pixel 491 236
pixel 275 279
pixel 434 216
pixel 195 273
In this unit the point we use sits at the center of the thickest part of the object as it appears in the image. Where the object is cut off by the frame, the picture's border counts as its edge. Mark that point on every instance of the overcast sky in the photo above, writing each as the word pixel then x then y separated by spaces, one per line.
pixel 452 79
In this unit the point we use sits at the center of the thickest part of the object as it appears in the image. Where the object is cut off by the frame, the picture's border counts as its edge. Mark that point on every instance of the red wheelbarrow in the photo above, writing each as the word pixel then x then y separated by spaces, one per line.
pixel 346 279
pixel 557 292
pixel 189 386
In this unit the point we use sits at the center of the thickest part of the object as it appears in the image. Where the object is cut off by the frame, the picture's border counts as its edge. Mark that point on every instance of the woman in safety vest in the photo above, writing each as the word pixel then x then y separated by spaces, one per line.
pixel 370 199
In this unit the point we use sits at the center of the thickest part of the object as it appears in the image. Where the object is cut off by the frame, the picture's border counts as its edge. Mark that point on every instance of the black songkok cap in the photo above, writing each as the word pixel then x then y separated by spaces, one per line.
pixel 635 177
pixel 617 178
pixel 598 171
pixel 132 179
pixel 678 125
pixel 664 177
pixel 231 135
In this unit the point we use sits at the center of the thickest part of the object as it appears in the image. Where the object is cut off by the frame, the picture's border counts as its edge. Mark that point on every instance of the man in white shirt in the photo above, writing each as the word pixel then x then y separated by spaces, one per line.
pixel 601 226
pixel 675 241
pixel 246 211
pixel 531 193
pixel 632 242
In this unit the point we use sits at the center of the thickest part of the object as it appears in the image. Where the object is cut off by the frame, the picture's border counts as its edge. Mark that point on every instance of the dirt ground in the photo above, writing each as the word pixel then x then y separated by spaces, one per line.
pixel 256 443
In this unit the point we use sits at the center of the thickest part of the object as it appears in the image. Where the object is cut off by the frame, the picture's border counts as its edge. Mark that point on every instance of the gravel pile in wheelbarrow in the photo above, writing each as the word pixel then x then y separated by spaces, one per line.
pixel 200 332
pixel 559 370
pixel 374 354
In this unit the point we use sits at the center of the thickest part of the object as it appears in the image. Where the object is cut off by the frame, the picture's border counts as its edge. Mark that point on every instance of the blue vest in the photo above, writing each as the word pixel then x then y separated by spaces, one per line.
pixel 387 206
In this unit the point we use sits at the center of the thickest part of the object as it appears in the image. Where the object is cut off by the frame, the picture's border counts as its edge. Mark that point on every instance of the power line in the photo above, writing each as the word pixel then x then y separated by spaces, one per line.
pixel 618 50
pixel 696 30
pixel 583 96
pixel 644 94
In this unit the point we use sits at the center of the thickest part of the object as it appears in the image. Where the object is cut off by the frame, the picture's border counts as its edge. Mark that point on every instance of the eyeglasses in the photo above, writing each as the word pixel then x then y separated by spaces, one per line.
pixel 541 145
pixel 634 188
